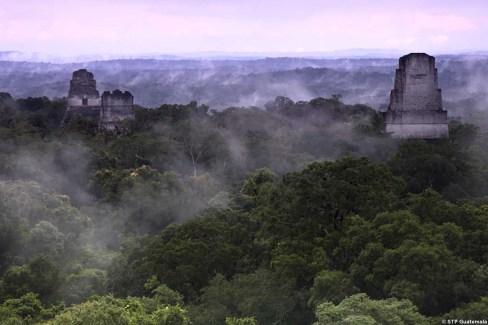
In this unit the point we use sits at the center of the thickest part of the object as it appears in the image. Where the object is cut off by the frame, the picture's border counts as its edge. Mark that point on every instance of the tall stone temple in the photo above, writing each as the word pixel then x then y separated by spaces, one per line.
pixel 415 109
pixel 84 99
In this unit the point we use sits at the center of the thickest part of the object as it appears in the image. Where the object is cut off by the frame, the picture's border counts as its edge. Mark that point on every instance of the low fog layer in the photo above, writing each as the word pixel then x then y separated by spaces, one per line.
pixel 225 83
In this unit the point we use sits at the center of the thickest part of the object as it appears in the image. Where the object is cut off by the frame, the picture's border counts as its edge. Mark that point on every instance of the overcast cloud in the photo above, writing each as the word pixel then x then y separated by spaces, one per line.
pixel 64 27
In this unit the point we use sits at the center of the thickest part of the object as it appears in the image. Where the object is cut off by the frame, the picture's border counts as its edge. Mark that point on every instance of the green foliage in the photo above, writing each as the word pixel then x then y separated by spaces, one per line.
pixel 147 118
pixel 240 321
pixel 171 315
pixel 105 310
pixel 45 276
pixel 463 226
pixel 41 113
pixel 323 194
pixel 473 310
pixel 423 165
pixel 184 256
pixel 27 306
pixel 108 310
pixel 162 293
pixel 83 283
pixel 463 135
pixel 247 215
pixel 411 261
pixel 46 238
pixel 26 309
pixel 136 150
pixel 40 276
pixel 202 145
pixel 331 286
pixel 360 309
pixel 309 206
pixel 150 200
pixel 13 234
pixel 255 188
pixel 32 204
pixel 261 294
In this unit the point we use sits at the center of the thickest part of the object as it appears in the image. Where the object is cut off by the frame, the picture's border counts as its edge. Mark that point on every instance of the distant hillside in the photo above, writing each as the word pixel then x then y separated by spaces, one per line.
pixel 225 83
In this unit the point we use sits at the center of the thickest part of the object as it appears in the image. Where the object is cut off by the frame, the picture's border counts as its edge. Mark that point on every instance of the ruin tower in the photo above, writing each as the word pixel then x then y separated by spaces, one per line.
pixel 83 96
pixel 116 107
pixel 84 99
pixel 415 109
pixel 83 85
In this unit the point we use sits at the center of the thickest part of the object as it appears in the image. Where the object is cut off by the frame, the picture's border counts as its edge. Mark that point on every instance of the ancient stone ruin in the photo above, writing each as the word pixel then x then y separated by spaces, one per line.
pixel 83 96
pixel 116 107
pixel 415 109
pixel 84 99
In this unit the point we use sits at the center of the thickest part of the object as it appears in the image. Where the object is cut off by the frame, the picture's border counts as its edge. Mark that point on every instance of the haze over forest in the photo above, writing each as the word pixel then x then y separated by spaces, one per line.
pixel 241 183
pixel 254 182
pixel 241 82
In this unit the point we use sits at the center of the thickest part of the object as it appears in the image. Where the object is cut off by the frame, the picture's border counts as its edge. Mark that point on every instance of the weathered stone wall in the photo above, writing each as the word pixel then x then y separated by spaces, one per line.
pixel 418 131
pixel 89 102
pixel 415 109
pixel 83 85
pixel 83 97
pixel 116 107
pixel 417 117
pixel 416 84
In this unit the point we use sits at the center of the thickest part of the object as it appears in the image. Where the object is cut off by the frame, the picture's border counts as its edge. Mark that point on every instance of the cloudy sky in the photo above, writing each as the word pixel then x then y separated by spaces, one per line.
pixel 73 27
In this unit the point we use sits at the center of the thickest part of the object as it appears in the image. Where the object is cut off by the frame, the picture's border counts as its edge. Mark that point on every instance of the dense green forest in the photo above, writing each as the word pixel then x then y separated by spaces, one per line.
pixel 295 213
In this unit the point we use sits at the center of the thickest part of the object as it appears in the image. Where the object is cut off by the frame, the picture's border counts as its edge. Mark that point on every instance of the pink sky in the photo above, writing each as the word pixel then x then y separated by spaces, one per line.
pixel 72 27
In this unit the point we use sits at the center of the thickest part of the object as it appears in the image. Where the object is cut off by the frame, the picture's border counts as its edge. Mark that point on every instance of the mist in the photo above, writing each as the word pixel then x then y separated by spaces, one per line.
pixel 222 83
pixel 79 196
